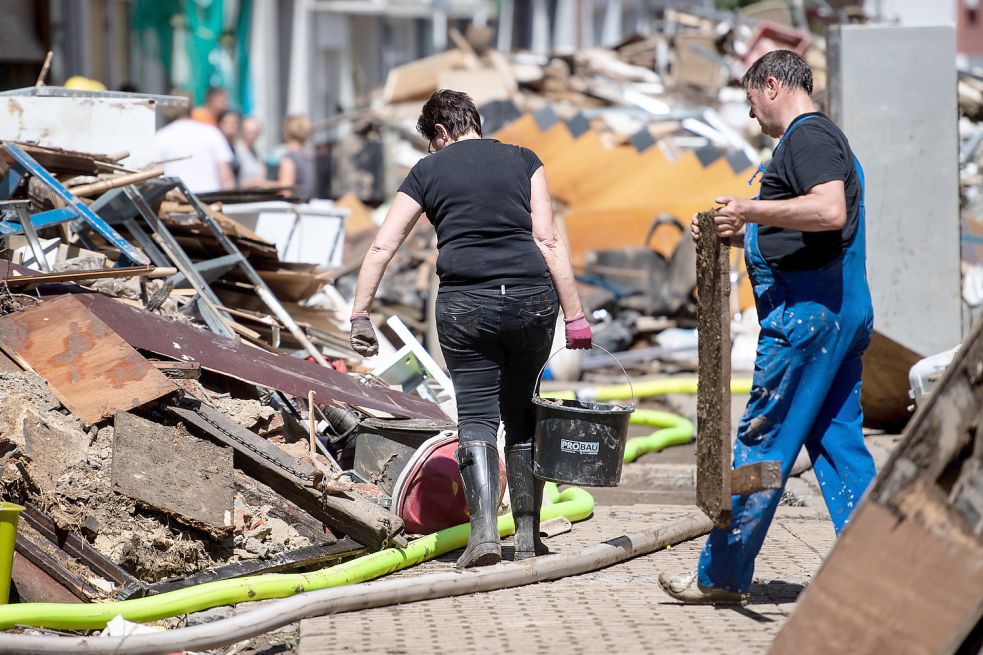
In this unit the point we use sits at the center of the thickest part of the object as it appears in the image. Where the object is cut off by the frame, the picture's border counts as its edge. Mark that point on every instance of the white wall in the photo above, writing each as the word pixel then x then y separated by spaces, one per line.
pixel 912 13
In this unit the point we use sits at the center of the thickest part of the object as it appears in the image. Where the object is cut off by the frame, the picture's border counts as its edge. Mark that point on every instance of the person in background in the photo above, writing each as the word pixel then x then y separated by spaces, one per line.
pixel 228 125
pixel 193 151
pixel 216 103
pixel 297 171
pixel 504 275
pixel 252 168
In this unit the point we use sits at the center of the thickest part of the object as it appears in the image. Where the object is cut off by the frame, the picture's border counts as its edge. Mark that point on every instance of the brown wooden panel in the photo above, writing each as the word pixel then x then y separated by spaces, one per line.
pixel 91 370
pixel 713 451
pixel 169 470
pixel 890 586
pixel 884 394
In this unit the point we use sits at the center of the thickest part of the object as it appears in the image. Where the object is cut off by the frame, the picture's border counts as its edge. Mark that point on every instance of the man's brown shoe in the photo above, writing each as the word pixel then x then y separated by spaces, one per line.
pixel 685 588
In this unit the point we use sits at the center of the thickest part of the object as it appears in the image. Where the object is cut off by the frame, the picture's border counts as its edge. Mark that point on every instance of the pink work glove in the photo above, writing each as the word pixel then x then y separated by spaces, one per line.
pixel 579 335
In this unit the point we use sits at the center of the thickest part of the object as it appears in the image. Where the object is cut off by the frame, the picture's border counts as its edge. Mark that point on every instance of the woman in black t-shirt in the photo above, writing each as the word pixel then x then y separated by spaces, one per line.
pixel 504 274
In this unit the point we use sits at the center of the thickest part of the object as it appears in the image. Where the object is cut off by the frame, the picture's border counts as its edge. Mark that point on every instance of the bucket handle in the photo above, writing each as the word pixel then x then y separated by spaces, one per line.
pixel 631 387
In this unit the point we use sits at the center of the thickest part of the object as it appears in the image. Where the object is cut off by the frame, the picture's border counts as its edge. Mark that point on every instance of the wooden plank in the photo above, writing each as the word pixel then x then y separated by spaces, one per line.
pixel 59 566
pixel 91 370
pixel 713 450
pixel 214 352
pixel 226 432
pixel 255 493
pixel 884 389
pixel 35 586
pixel 170 471
pixel 889 586
pixel 750 478
pixel 30 281
pixel 351 514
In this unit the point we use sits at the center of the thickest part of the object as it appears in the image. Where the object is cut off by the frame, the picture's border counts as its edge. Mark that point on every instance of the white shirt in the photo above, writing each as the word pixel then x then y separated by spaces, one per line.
pixel 197 149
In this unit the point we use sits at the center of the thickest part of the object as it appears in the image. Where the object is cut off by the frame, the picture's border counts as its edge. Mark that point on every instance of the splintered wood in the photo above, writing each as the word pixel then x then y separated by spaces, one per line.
pixel 91 370
pixel 713 451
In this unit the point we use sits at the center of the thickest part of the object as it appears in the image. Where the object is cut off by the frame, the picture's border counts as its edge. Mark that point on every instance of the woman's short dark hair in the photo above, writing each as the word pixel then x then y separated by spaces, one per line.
pixel 452 109
pixel 791 71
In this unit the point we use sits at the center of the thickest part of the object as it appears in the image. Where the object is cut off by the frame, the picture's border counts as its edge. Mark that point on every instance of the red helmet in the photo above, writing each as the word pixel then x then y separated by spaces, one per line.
pixel 429 493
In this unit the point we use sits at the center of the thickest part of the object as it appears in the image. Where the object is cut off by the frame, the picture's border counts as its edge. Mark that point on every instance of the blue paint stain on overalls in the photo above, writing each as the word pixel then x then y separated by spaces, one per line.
pixel 815 326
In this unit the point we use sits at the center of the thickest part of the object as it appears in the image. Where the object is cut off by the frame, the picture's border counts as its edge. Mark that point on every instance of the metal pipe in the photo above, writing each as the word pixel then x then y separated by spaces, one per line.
pixel 375 594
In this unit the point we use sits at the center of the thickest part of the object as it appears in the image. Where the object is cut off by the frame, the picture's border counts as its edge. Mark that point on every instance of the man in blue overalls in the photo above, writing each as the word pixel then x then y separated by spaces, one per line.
pixel 804 246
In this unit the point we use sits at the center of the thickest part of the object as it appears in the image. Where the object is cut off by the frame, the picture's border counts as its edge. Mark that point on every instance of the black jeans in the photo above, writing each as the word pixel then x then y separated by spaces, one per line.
pixel 495 343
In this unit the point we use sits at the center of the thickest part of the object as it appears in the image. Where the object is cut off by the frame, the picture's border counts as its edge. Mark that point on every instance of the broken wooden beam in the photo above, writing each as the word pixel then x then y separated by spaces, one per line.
pixel 93 188
pixel 178 370
pixel 349 513
pixel 713 445
pixel 170 471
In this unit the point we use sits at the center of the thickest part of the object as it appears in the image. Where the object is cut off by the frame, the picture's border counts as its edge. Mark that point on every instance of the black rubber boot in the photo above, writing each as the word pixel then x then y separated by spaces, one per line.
pixel 478 462
pixel 527 499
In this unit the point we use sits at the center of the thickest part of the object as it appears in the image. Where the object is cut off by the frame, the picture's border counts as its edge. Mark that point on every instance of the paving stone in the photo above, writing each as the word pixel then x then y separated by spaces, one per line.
pixel 620 609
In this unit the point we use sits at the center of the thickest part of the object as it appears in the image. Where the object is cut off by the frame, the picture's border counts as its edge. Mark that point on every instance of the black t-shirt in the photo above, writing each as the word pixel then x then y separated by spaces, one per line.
pixel 816 151
pixel 476 194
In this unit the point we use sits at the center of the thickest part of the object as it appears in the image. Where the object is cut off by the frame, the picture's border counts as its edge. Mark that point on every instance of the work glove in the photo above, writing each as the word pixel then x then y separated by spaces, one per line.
pixel 579 335
pixel 363 338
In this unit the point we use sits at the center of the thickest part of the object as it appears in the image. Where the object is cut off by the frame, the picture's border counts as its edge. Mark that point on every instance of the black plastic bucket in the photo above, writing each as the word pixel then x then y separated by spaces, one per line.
pixel 580 441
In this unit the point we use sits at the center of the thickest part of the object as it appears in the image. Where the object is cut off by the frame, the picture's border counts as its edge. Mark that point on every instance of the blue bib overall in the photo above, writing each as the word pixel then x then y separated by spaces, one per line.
pixel 815 326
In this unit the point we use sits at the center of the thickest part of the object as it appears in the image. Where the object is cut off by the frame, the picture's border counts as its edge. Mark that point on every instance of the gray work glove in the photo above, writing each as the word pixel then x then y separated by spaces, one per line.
pixel 363 339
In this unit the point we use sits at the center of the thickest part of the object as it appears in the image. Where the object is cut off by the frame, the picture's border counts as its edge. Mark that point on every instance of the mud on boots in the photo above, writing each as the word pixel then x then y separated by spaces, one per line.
pixel 478 461
pixel 526 492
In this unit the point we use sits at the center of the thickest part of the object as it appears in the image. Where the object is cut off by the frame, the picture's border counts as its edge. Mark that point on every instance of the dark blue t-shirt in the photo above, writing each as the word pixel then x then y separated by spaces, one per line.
pixel 816 151
pixel 476 193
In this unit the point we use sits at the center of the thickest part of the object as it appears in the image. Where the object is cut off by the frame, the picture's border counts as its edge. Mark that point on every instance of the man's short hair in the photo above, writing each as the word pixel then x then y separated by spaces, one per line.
pixel 215 91
pixel 452 109
pixel 790 69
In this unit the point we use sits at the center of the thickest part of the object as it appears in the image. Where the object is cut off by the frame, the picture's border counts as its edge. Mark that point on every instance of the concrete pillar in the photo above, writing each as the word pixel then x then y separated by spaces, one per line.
pixel 298 91
pixel 565 25
pixel 264 70
pixel 612 33
pixel 505 17
pixel 585 37
pixel 540 27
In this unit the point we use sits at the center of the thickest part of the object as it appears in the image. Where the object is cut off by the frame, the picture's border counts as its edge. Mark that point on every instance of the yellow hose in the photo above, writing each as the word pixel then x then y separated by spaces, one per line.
pixel 573 503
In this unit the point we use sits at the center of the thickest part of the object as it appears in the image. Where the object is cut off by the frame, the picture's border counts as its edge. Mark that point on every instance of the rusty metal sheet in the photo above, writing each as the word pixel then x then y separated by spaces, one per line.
pixel 91 370
pixel 214 352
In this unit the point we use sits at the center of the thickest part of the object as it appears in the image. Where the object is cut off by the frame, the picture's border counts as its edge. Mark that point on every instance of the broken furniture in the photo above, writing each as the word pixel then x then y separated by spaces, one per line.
pixel 197 274
pixel 20 165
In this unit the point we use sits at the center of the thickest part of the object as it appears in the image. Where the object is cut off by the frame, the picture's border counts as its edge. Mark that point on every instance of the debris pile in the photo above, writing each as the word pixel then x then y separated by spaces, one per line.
pixel 153 419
